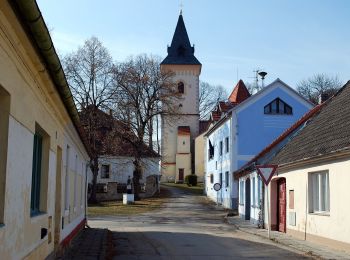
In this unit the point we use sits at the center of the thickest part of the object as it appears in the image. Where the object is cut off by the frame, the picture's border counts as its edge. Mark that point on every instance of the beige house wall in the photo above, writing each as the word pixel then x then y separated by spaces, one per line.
pixel 33 101
pixel 189 116
pixel 331 228
pixel 200 156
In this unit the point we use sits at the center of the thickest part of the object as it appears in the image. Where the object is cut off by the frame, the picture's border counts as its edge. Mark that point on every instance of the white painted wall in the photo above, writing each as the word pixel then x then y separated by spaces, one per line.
pixel 330 228
pixel 219 164
pixel 122 167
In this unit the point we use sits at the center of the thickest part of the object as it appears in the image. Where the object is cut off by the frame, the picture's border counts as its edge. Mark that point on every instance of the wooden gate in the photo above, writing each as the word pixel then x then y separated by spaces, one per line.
pixel 281 217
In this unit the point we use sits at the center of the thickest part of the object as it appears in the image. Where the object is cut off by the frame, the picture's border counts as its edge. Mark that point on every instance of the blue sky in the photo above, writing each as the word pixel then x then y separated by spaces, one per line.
pixel 291 40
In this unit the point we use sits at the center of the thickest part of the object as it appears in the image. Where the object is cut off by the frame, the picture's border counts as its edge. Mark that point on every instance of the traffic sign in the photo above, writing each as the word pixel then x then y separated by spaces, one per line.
pixel 217 186
pixel 266 172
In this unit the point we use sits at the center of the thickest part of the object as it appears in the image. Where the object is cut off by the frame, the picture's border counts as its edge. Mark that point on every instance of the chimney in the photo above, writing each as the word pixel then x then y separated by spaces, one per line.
pixel 323 97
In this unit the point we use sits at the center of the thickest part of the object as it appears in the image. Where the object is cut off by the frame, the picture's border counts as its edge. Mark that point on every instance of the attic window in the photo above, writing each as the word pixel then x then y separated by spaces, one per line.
pixel 181 87
pixel 278 107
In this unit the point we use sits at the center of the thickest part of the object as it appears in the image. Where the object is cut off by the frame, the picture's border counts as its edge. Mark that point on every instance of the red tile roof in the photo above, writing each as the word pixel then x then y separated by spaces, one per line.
pixel 239 93
pixel 242 171
pixel 183 130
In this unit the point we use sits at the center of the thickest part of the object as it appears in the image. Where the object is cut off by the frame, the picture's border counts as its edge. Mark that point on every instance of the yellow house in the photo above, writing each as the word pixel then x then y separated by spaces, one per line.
pixel 43 160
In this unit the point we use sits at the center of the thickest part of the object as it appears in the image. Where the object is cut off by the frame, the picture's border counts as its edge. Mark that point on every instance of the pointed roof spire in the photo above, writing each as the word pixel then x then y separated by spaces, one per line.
pixel 239 93
pixel 180 50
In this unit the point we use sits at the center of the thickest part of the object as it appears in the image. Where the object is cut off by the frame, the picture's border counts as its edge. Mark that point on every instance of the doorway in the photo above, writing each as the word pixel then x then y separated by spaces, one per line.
pixel 281 205
pixel 181 175
pixel 247 199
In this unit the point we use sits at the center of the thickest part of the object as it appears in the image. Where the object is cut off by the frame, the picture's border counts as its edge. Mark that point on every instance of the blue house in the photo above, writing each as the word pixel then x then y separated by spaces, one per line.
pixel 244 130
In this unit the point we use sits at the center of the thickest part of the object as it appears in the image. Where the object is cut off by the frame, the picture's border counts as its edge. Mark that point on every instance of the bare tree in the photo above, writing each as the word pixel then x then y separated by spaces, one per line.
pixel 143 89
pixel 89 72
pixel 317 85
pixel 209 95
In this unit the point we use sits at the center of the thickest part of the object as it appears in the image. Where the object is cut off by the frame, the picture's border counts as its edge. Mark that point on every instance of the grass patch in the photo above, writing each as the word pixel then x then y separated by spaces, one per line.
pixel 117 208
pixel 182 186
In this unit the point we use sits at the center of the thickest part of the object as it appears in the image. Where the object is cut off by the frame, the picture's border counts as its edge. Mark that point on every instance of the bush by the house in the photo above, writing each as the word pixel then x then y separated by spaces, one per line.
pixel 191 180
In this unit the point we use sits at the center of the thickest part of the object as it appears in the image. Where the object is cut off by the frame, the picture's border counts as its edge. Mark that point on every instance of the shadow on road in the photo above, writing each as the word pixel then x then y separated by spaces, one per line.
pixel 169 245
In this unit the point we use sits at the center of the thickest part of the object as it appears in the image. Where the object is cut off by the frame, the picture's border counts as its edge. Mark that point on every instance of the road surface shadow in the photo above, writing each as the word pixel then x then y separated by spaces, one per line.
pixel 171 245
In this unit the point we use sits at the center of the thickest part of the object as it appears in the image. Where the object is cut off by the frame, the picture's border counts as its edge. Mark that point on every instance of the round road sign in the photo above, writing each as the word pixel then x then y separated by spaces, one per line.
pixel 217 186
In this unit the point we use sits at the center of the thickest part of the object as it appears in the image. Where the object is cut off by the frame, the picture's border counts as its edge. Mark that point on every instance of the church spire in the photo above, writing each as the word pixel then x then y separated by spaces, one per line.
pixel 180 50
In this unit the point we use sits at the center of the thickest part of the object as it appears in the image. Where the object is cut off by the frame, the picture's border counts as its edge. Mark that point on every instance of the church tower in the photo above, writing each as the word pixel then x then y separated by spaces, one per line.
pixel 179 132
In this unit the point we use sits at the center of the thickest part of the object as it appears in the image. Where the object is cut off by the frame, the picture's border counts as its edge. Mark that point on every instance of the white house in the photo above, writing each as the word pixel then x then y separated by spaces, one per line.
pixel 251 187
pixel 246 128
pixel 43 159
pixel 310 192
pixel 116 155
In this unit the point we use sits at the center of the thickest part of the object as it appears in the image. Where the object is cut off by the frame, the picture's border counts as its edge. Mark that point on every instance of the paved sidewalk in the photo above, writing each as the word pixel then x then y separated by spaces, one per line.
pixel 91 244
pixel 311 249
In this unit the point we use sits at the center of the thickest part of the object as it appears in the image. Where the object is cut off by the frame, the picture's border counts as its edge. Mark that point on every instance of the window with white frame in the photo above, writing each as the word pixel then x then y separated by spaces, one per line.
pixel 211 178
pixel 241 192
pixel 319 192
pixel 227 144
pixel 66 180
pixel 75 182
pixel 227 181
pixel 253 192
pixel 4 128
pixel 259 190
pixel 220 148
pixel 105 171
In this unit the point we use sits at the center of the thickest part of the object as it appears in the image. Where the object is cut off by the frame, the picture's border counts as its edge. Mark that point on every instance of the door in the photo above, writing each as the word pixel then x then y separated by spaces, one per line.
pixel 281 217
pixel 181 175
pixel 247 199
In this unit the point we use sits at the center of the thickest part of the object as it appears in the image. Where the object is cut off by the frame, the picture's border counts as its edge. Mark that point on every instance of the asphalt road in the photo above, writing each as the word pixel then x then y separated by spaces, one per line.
pixel 187 227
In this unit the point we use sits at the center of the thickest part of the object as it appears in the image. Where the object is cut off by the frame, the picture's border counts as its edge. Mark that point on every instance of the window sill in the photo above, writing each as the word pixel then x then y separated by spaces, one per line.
pixel 37 214
pixel 327 214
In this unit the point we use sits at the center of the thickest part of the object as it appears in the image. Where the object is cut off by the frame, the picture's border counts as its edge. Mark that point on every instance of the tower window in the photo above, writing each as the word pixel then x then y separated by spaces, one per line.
pixel 278 106
pixel 181 87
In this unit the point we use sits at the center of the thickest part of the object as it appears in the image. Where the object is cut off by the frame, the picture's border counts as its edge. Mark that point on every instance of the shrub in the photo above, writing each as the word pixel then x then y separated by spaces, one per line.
pixel 191 180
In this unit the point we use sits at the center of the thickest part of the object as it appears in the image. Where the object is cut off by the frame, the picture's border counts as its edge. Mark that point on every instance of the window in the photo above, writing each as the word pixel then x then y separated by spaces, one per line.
pixel 227 144
pixel 75 181
pixel 278 107
pixel 211 178
pixel 220 179
pixel 241 192
pixel 319 192
pixel 210 151
pixel 66 180
pixel 259 191
pixel 4 128
pixel 216 165
pixel 105 171
pixel 227 179
pixel 291 199
pixel 181 87
pixel 253 192
pixel 38 196
pixel 220 148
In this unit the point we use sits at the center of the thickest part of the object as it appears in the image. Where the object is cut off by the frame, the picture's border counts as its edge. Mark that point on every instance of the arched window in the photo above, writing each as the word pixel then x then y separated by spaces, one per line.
pixel 278 107
pixel 181 87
